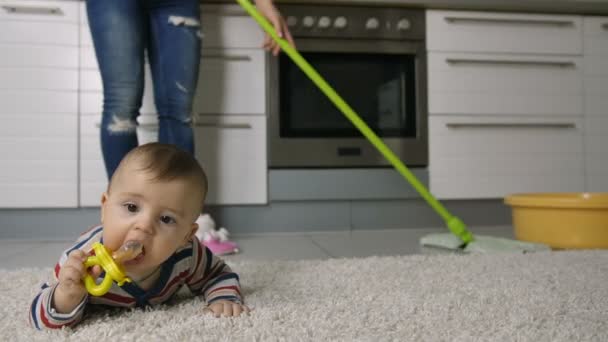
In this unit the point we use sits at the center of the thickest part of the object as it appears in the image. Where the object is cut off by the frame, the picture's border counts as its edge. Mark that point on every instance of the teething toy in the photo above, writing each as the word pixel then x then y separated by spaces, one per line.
pixel 111 264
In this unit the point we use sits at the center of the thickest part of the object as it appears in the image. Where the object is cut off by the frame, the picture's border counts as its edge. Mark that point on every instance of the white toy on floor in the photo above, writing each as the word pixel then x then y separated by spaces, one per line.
pixel 215 239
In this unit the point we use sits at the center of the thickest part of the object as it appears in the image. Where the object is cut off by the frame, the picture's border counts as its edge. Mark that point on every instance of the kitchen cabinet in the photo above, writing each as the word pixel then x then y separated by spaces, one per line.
pixel 596 103
pixel 505 104
pixel 230 107
pixel 232 150
pixel 229 111
pixel 39 96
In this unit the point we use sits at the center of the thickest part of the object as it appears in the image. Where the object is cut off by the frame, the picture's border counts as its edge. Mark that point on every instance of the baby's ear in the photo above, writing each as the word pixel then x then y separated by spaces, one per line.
pixel 104 199
pixel 193 230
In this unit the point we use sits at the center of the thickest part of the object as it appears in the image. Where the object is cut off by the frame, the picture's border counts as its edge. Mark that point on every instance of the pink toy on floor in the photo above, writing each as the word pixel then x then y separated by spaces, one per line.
pixel 216 240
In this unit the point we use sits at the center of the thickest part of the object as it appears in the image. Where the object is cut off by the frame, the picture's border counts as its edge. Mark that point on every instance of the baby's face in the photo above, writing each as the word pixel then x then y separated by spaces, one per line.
pixel 160 215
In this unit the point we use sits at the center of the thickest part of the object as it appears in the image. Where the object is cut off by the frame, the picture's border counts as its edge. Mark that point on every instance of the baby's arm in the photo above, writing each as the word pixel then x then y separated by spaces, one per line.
pixel 214 279
pixel 61 304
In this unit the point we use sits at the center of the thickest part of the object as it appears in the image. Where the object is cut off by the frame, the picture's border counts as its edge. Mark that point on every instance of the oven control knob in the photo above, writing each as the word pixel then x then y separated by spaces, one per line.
pixel 403 25
pixel 372 24
pixel 324 22
pixel 308 21
pixel 340 22
pixel 292 21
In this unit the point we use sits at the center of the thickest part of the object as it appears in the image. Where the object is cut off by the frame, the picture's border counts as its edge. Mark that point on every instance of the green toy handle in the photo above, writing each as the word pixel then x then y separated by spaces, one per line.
pixel 456 226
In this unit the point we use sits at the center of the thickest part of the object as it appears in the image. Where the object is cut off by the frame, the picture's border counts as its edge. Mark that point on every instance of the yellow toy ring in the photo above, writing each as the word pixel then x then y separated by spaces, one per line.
pixel 114 272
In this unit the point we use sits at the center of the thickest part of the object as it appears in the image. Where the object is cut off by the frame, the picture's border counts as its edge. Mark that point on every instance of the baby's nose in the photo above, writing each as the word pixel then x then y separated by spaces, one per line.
pixel 146 225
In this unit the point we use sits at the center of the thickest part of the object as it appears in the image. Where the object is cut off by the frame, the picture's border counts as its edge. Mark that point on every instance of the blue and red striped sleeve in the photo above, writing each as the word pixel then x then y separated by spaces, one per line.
pixel 212 277
pixel 42 315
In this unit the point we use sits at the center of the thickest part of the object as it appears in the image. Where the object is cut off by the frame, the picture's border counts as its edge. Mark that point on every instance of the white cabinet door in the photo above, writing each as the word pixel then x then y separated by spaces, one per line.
pixel 596 103
pixel 506 103
pixel 231 82
pixel 499 84
pixel 38 96
pixel 228 26
pixel 490 157
pixel 232 150
pixel 487 32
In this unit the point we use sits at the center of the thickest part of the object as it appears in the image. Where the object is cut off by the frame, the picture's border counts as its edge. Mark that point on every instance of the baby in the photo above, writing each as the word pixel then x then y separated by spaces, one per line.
pixel 154 198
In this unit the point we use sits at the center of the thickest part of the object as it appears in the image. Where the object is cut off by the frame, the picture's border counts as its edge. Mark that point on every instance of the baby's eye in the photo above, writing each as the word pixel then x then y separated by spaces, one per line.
pixel 132 208
pixel 167 220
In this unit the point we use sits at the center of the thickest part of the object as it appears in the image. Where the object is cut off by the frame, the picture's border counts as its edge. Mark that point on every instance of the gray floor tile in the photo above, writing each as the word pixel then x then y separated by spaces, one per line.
pixel 34 254
pixel 276 247
pixel 368 243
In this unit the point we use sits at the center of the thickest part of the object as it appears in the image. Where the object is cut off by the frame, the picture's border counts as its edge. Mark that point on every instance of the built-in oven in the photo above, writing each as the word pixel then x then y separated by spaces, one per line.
pixel 374 57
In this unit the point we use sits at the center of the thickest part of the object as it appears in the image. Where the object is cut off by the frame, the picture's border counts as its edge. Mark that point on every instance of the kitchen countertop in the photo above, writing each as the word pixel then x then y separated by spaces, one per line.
pixel 593 7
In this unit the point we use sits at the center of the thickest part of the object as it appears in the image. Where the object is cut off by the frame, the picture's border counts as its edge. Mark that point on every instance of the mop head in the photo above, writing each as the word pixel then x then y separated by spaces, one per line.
pixel 480 244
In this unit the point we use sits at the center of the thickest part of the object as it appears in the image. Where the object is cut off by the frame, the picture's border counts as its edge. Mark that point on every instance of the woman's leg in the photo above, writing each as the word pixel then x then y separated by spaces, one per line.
pixel 174 52
pixel 119 31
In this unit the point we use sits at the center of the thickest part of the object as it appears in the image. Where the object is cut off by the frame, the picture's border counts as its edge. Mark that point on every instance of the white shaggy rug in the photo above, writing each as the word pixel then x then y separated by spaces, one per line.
pixel 550 296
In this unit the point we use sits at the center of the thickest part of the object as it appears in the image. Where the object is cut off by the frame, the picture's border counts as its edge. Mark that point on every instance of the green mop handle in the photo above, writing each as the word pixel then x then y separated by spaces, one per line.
pixel 455 225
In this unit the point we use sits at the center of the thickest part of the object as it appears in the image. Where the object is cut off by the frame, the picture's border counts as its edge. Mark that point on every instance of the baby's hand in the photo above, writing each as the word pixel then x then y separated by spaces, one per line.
pixel 70 291
pixel 226 308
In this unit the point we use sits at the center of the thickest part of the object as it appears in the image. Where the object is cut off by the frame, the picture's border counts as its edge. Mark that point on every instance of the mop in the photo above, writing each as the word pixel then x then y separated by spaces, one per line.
pixel 461 239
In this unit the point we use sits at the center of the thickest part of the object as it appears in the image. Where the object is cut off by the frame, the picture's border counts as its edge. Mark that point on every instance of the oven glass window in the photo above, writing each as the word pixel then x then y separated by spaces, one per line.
pixel 380 88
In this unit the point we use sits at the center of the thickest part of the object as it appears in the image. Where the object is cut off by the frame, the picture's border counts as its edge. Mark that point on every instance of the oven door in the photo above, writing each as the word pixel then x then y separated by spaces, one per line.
pixel 383 81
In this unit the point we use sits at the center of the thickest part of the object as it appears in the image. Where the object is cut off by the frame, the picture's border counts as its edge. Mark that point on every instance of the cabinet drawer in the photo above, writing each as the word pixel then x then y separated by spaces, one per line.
pixel 40 195
pixel 88 60
pixel 85 37
pixel 93 178
pixel 229 27
pixel 595 35
pixel 12 55
pixel 231 82
pixel 232 150
pixel 490 157
pixel 596 85
pixel 53 11
pixel 22 32
pixel 93 182
pixel 596 153
pixel 468 83
pixel 503 32
pixel 20 101
pixel 31 148
pixel 42 126
pixel 39 78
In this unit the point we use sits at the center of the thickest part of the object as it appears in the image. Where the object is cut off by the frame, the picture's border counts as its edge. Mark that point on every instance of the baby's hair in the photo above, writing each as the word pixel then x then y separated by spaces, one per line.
pixel 166 162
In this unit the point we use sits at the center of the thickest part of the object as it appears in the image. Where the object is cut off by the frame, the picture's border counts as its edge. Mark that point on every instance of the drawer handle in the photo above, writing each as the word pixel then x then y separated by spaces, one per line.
pixel 33 10
pixel 504 21
pixel 223 125
pixel 605 26
pixel 557 64
pixel 154 126
pixel 232 58
pixel 557 125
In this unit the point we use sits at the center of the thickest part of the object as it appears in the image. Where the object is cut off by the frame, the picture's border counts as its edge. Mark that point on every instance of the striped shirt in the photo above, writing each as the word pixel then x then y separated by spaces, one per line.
pixel 194 266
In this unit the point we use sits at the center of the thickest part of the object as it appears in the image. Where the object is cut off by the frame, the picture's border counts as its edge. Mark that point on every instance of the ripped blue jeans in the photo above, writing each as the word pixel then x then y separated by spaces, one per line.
pixel 123 31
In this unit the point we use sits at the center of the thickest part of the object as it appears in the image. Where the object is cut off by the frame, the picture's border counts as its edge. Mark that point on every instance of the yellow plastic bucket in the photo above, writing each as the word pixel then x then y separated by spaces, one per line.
pixel 561 220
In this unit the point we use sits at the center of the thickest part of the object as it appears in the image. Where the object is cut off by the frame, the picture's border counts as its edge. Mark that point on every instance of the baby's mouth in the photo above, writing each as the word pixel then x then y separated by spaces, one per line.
pixel 131 251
